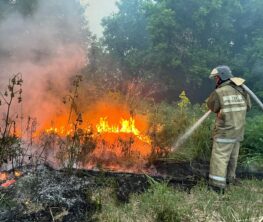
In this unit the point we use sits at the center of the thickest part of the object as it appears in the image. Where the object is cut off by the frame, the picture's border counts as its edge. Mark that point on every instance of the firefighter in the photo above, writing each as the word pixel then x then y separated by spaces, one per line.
pixel 230 103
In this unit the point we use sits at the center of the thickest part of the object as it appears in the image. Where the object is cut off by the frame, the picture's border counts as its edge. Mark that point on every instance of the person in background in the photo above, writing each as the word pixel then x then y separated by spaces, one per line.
pixel 230 103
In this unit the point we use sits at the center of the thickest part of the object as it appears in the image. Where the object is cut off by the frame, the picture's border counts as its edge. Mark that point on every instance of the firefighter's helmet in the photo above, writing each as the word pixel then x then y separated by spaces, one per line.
pixel 224 72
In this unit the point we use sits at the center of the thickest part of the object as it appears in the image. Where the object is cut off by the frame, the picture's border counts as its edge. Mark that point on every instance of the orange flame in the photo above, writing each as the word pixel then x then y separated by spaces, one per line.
pixel 59 130
pixel 126 126
pixel 119 135
pixel 3 176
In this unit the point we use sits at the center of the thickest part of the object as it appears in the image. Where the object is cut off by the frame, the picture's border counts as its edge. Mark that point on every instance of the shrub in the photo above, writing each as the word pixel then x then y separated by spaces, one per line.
pixel 167 122
pixel 10 144
pixel 198 145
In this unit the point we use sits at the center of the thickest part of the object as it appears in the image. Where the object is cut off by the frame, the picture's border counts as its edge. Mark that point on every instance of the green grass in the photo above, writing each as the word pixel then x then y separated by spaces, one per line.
pixel 251 152
pixel 199 145
pixel 164 203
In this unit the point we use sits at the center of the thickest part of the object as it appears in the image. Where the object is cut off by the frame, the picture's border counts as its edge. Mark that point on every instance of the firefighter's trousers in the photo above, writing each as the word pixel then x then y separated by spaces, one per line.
pixel 223 163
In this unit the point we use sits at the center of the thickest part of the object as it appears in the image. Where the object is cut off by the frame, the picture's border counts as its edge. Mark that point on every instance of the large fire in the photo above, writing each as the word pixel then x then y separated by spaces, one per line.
pixel 125 126
pixel 120 137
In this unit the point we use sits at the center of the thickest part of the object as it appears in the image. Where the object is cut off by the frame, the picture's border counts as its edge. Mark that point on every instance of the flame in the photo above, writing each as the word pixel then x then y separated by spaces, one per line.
pixel 120 136
pixel 3 176
pixel 59 130
pixel 126 126
pixel 66 131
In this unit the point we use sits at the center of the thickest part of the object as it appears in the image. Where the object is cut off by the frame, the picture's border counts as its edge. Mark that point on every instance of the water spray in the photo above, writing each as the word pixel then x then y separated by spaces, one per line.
pixel 190 131
pixel 237 81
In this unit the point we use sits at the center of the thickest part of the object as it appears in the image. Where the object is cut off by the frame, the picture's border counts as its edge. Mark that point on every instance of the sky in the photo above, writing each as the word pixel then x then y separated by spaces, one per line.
pixel 96 10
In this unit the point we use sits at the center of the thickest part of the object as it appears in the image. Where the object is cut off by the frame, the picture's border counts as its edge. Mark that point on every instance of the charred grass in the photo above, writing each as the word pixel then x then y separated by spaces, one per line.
pixel 50 195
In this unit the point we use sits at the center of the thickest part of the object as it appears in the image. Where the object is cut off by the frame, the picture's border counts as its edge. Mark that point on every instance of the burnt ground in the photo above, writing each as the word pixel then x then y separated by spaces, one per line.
pixel 199 169
pixel 45 194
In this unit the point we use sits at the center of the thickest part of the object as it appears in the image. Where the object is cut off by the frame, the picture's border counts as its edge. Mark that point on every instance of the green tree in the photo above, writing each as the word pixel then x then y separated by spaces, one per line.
pixel 179 42
pixel 125 35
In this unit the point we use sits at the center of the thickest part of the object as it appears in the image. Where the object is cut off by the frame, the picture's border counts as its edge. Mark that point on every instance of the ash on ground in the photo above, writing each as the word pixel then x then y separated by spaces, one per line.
pixel 45 194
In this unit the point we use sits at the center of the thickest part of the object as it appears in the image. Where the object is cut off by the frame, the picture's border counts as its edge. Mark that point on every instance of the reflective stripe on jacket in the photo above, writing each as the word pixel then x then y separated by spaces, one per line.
pixel 230 102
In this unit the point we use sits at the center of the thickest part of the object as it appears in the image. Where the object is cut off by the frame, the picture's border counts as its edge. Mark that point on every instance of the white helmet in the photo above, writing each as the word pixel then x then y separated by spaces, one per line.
pixel 224 72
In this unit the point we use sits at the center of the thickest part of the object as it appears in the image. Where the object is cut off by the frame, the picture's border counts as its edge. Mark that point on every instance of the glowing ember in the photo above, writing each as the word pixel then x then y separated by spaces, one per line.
pixel 17 173
pixel 59 130
pixel 3 176
pixel 66 131
pixel 8 183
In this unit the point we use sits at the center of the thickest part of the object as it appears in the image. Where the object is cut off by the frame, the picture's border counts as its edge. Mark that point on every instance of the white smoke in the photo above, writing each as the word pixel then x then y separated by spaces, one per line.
pixel 48 48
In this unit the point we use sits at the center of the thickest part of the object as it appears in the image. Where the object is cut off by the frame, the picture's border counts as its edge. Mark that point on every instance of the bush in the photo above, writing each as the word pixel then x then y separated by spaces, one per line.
pixel 10 144
pixel 11 150
pixel 167 123
pixel 198 145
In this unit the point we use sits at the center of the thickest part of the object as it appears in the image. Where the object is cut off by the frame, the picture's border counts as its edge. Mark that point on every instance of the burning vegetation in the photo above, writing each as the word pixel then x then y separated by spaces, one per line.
pixel 105 134
pixel 84 119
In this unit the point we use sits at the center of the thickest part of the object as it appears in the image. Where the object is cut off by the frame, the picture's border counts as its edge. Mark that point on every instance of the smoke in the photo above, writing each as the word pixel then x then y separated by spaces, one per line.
pixel 48 48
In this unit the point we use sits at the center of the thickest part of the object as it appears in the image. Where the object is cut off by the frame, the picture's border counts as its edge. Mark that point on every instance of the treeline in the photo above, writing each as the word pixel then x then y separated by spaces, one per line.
pixel 176 42
pixel 168 45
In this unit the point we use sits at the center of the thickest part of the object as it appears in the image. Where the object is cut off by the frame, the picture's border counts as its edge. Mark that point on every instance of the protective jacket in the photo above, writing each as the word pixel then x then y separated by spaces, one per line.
pixel 230 103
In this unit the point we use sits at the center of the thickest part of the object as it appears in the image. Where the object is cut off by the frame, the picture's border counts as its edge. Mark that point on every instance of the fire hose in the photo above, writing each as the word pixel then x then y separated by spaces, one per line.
pixel 237 81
